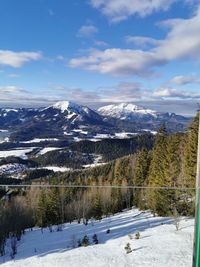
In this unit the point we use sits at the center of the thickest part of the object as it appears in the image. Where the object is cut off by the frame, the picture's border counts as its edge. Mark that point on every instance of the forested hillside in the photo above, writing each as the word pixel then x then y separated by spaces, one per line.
pixel 170 163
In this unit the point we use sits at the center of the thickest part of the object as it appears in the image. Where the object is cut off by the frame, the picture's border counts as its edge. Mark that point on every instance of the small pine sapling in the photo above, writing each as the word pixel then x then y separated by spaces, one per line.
pixel 137 235
pixel 108 231
pixel 85 241
pixel 95 239
pixel 128 248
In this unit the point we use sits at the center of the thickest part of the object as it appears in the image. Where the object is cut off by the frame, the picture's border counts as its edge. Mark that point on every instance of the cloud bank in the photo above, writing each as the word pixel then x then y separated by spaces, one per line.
pixel 182 42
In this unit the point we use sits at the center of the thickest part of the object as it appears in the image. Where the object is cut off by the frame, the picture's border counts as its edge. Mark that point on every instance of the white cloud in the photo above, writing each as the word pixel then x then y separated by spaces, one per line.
pixel 142 41
pixel 161 99
pixel 10 90
pixel 100 43
pixel 17 59
pixel 182 80
pixel 167 92
pixel 182 42
pixel 118 10
pixel 119 62
pixel 87 31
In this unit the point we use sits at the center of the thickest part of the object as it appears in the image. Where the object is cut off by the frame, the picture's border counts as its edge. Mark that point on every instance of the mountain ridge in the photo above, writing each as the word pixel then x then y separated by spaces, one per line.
pixel 59 119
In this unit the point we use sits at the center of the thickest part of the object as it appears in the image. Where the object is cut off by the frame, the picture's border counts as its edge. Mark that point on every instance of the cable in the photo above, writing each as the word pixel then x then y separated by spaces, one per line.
pixel 96 186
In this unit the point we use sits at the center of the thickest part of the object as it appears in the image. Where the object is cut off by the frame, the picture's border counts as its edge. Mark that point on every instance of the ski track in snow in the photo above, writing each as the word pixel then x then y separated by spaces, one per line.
pixel 160 245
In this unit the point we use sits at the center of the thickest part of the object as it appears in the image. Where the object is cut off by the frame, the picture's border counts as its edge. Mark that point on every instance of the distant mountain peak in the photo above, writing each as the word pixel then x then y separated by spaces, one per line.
pixel 125 110
pixel 66 105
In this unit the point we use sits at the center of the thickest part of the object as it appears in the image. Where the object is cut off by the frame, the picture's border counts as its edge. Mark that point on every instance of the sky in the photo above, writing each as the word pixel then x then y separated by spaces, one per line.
pixel 97 52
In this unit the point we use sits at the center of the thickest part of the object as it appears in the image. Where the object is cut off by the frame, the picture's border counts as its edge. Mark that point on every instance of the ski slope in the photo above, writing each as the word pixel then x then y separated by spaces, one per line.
pixel 160 245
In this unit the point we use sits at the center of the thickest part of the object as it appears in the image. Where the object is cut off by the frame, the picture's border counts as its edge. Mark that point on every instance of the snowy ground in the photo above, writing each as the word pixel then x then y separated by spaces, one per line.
pixel 38 140
pixel 97 161
pixel 12 168
pixel 47 149
pixel 56 168
pixel 160 245
pixel 16 152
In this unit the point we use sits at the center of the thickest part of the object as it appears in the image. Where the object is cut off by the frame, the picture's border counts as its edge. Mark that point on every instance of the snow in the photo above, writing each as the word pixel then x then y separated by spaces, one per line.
pixel 93 165
pixel 9 110
pixel 160 245
pixel 47 149
pixel 70 115
pixel 3 140
pixel 56 168
pixel 150 131
pixel 12 168
pixel 38 140
pixel 16 152
pixel 66 133
pixel 77 139
pixel 80 131
pixel 101 136
pixel 97 161
pixel 121 135
pixel 124 110
pixel 67 106
pixel 124 135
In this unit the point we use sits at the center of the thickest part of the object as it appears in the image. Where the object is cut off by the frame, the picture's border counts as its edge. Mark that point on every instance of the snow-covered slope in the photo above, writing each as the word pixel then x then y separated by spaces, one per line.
pixel 125 111
pixel 69 107
pixel 160 245
pixel 67 111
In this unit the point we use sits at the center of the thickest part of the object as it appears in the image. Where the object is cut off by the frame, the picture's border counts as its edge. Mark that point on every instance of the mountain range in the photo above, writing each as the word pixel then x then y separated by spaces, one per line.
pixel 60 119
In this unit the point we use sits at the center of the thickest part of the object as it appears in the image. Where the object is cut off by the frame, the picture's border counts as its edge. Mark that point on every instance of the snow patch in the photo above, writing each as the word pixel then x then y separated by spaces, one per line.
pixel 38 140
pixel 56 168
pixel 47 149
pixel 16 152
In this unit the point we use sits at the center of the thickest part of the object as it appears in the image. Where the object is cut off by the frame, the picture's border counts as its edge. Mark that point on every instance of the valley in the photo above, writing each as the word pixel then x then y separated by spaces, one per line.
pixel 74 136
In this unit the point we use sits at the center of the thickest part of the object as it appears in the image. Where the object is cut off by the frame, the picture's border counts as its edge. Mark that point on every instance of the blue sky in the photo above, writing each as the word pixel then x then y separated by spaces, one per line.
pixel 101 51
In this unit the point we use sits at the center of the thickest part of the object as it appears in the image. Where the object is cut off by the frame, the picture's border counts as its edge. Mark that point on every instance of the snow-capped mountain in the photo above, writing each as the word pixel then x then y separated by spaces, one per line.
pixel 70 111
pixel 56 121
pixel 126 111
pixel 65 117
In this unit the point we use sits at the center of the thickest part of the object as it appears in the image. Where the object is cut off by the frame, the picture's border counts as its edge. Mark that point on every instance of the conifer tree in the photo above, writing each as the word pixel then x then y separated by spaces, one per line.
pixel 157 198
pixel 41 210
pixel 142 164
pixel 190 159
pixel 97 208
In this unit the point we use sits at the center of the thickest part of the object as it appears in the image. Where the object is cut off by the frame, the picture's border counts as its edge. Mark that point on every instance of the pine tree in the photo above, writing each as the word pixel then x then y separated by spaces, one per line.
pixel 41 210
pixel 53 207
pixel 157 198
pixel 190 159
pixel 142 164
pixel 97 208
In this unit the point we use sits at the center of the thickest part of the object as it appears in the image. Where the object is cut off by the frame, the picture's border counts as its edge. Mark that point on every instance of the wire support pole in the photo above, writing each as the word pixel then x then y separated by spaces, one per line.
pixel 196 246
